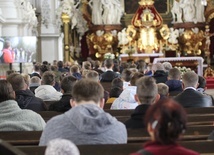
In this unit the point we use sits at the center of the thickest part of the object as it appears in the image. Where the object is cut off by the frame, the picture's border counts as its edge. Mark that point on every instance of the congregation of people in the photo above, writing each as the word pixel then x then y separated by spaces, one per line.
pixel 157 93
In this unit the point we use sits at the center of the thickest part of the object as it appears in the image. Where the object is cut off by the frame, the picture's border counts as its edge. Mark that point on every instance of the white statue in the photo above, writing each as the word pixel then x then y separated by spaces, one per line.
pixel 173 36
pixel 96 7
pixel 188 10
pixel 176 12
pixel 123 37
pixel 200 11
pixel 112 11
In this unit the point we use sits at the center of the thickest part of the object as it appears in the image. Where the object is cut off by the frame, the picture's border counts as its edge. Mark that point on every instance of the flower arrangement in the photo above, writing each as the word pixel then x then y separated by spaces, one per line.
pixel 183 69
pixel 109 56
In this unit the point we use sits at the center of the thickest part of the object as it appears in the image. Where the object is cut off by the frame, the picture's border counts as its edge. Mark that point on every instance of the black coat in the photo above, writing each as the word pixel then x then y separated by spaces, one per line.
pixel 108 76
pixel 27 100
pixel 192 98
pixel 137 118
pixel 160 76
pixel 62 105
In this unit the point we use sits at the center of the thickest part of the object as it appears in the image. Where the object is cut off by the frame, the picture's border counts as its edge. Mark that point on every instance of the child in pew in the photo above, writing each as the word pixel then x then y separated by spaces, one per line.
pixel 166 122
pixel 61 147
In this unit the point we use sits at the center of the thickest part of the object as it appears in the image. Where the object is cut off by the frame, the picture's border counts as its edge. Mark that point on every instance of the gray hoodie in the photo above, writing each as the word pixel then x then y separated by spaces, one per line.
pixel 85 124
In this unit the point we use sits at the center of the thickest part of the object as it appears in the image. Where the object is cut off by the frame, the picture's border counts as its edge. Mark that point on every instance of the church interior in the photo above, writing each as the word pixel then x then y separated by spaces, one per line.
pixel 74 43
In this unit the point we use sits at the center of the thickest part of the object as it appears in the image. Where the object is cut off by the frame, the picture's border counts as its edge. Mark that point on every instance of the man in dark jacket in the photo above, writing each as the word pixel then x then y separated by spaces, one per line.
pixel 25 98
pixel 190 97
pixel 147 93
pixel 174 82
pixel 159 74
pixel 63 104
pixel 109 75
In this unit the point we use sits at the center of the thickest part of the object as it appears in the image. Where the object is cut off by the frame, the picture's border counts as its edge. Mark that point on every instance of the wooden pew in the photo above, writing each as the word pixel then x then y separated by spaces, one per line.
pixel 195 111
pixel 134 136
pixel 203 147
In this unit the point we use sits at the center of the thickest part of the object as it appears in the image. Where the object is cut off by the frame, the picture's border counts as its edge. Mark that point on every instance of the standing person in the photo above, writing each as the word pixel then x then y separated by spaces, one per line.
pixel 166 122
pixel 8 53
pixel 86 122
pixel 12 117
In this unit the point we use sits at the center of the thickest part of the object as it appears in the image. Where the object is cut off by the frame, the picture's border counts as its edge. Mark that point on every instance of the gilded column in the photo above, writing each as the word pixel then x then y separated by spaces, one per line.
pixel 66 24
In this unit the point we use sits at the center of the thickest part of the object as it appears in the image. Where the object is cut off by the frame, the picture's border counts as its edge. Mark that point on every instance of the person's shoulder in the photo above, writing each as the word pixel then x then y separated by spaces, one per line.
pixel 186 151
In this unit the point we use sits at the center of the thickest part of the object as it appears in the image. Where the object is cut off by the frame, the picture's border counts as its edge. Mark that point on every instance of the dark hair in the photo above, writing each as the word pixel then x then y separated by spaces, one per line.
pixel 43 68
pixel 168 120
pixel 201 82
pixel 74 69
pixel 37 66
pixel 109 63
pixel 116 87
pixel 67 83
pixel 6 91
pixel 87 90
pixel 17 81
pixel 48 78
pixel 45 63
pixel 60 64
pixel 135 77
pixel 126 75
pixel 147 90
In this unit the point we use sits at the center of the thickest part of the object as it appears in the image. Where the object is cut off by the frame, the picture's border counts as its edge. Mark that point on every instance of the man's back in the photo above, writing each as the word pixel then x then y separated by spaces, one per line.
pixel 85 124
pixel 192 98
pixel 108 76
pixel 27 100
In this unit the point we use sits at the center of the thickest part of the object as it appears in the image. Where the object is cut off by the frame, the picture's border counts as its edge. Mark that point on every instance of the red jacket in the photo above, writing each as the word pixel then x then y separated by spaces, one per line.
pixel 8 56
pixel 172 149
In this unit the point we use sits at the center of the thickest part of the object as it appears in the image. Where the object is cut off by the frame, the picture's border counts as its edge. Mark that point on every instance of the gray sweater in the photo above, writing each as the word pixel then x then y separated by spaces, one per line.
pixel 85 124
pixel 12 118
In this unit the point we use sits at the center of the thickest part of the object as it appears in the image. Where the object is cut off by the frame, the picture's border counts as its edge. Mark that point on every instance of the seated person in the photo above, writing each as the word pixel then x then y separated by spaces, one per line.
pixel 163 90
pixel 116 90
pixel 159 73
pixel 61 147
pixel 126 100
pixel 202 87
pixel 85 122
pixel 190 97
pixel 147 94
pixel 109 75
pixel 174 82
pixel 93 75
pixel 63 104
pixel 126 77
pixel 46 91
pixel 75 71
pixel 12 117
pixel 35 82
pixel 25 98
pixel 166 122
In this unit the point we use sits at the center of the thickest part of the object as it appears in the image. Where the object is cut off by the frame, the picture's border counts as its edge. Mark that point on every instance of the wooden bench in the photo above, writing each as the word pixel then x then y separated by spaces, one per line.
pixel 203 147
pixel 134 136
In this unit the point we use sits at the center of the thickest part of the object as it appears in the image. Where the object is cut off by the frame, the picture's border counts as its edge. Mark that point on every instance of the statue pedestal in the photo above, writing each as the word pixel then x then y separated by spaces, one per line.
pixel 102 39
